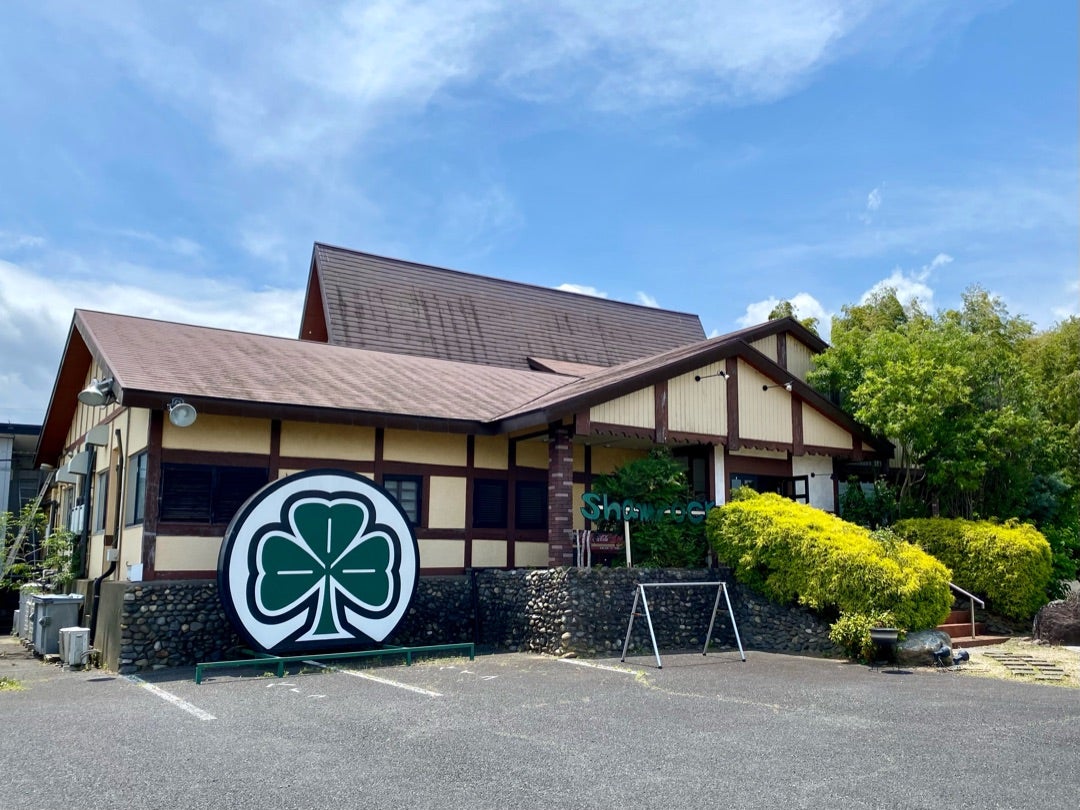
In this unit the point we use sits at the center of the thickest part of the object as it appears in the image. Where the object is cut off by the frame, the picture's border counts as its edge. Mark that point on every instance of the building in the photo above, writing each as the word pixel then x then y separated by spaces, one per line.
pixel 20 482
pixel 485 407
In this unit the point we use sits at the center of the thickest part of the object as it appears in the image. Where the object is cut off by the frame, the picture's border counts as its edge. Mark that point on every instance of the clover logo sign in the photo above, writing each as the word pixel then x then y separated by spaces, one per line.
pixel 322 559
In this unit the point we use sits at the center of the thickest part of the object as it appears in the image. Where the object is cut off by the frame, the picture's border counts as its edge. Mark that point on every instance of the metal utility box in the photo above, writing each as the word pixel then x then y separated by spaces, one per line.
pixel 23 628
pixel 74 644
pixel 51 612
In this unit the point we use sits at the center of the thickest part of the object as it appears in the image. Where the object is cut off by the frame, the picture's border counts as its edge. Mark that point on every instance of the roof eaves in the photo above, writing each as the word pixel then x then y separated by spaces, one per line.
pixel 75 359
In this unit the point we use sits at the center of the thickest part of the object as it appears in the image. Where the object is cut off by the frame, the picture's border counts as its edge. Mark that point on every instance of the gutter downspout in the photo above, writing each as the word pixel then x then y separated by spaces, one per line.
pixel 96 594
pixel 88 492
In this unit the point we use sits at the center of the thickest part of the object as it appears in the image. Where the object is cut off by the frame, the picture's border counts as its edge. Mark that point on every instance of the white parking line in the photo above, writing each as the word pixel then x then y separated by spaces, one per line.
pixel 386 681
pixel 389 682
pixel 170 697
pixel 578 663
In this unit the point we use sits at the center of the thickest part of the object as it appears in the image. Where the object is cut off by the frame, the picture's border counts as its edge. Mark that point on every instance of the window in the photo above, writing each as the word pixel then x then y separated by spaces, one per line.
pixel 101 500
pixel 202 493
pixel 137 488
pixel 489 504
pixel 407 490
pixel 530 505
pixel 795 488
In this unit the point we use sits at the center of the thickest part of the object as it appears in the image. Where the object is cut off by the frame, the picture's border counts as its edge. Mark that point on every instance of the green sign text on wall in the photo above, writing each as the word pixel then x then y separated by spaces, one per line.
pixel 598 507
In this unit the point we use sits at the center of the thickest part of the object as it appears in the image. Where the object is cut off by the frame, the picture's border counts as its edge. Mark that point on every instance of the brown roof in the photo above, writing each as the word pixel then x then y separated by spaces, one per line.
pixel 154 360
pixel 372 302
pixel 223 371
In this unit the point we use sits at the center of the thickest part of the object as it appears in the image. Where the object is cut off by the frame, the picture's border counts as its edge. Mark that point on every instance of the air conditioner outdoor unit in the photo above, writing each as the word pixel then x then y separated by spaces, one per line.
pixel 74 643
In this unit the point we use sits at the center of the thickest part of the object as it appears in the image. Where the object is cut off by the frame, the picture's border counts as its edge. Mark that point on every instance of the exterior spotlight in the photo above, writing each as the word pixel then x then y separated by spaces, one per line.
pixel 700 377
pixel 97 393
pixel 786 386
pixel 181 413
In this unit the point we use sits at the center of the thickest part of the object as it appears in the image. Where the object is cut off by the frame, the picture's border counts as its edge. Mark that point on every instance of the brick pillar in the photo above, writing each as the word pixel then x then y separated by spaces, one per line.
pixel 560 497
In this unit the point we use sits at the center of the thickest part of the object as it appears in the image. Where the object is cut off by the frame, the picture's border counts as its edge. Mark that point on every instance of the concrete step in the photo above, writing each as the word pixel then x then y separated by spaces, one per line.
pixel 962 629
pixel 958 617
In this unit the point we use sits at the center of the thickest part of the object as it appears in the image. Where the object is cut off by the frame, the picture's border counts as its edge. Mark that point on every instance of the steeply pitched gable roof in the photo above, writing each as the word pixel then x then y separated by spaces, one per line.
pixel 371 302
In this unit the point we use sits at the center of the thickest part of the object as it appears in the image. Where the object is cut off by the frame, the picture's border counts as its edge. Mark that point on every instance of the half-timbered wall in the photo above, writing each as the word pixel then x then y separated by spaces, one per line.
pixel 699 407
pixel 633 410
pixel 764 415
pixel 821 432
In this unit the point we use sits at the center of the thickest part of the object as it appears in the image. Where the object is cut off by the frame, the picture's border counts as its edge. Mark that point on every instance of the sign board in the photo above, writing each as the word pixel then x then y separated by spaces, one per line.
pixel 598 507
pixel 318 560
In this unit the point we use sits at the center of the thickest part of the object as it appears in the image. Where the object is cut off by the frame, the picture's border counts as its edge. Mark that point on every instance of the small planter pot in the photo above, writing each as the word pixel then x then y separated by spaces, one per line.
pixel 884 640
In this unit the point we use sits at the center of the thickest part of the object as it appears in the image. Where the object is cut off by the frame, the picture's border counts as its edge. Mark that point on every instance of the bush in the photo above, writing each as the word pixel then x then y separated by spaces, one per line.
pixel 851 632
pixel 796 553
pixel 1065 550
pixel 1008 563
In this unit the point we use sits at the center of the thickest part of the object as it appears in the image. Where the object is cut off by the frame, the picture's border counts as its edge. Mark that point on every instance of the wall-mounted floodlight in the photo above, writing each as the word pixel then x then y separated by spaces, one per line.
pixel 700 377
pixel 786 386
pixel 97 393
pixel 181 413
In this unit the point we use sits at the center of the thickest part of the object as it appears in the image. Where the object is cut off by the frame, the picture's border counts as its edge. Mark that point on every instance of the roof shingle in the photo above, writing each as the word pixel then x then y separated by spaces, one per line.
pixel 372 302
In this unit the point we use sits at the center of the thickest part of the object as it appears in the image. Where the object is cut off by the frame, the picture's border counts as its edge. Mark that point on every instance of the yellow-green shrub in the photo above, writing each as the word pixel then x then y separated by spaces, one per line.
pixel 851 632
pixel 792 552
pixel 1008 563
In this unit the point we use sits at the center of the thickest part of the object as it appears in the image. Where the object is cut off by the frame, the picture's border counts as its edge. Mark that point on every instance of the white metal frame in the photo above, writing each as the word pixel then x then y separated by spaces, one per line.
pixel 639 594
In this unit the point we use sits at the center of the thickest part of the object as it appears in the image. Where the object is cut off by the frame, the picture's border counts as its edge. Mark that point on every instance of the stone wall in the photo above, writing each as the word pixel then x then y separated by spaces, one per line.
pixel 556 611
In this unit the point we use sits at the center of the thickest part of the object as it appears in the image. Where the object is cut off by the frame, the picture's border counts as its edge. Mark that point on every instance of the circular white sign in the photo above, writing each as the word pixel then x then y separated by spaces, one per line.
pixel 322 559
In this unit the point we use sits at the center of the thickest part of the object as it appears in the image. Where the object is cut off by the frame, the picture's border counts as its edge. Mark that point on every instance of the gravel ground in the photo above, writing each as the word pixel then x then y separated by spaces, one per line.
pixel 983 666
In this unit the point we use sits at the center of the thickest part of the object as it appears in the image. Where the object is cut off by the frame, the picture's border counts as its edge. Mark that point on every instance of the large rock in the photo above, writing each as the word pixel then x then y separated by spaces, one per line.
pixel 1059 622
pixel 918 648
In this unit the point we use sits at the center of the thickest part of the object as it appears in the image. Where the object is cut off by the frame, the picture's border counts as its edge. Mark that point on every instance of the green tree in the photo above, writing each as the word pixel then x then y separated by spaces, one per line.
pixel 785 309
pixel 959 393
pixel 656 479
pixel 31 553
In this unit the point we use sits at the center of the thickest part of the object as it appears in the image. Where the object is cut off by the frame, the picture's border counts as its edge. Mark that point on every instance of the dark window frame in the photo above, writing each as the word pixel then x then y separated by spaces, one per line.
pixel 527 493
pixel 207 494
pixel 101 502
pixel 392 484
pixel 490 503
pixel 137 477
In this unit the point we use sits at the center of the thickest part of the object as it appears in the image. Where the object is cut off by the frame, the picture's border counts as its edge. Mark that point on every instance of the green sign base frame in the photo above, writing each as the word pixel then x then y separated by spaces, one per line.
pixel 261 659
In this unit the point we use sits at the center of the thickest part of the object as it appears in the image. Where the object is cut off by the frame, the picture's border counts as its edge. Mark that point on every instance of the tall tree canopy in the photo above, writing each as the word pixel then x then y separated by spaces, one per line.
pixel 983 410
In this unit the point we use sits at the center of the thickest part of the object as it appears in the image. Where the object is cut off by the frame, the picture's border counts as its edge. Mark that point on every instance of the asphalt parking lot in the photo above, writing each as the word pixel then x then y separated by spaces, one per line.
pixel 522 731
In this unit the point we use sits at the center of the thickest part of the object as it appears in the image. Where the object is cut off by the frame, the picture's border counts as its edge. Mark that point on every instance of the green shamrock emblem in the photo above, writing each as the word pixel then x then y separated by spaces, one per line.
pixel 329 559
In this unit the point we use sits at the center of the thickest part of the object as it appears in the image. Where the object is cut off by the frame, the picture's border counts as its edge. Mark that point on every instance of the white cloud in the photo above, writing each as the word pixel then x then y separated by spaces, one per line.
pixel 11 242
pixel 873 200
pixel 911 285
pixel 646 300
pixel 296 83
pixel 804 304
pixel 582 289
pixel 37 303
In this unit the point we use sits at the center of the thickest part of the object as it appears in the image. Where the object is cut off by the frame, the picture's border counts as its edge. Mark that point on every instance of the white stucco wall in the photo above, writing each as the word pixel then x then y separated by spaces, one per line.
pixel 821 485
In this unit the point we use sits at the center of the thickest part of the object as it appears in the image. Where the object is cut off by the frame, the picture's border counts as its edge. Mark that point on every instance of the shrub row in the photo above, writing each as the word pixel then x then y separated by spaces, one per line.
pixel 792 552
pixel 1008 563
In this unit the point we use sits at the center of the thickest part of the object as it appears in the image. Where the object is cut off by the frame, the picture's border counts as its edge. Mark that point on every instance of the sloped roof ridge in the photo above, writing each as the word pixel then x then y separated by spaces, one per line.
pixel 501 281
pixel 164 322
pixel 306 344
pixel 618 374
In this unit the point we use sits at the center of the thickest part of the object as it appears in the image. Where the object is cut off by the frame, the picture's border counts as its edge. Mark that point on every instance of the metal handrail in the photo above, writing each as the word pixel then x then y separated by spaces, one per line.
pixel 972 600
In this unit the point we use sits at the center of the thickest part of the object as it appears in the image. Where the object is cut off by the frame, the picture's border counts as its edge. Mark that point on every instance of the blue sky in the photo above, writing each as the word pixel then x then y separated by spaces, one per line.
pixel 177 161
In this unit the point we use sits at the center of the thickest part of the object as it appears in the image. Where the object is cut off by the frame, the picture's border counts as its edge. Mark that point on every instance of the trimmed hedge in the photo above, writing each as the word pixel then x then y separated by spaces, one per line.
pixel 792 552
pixel 1008 563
